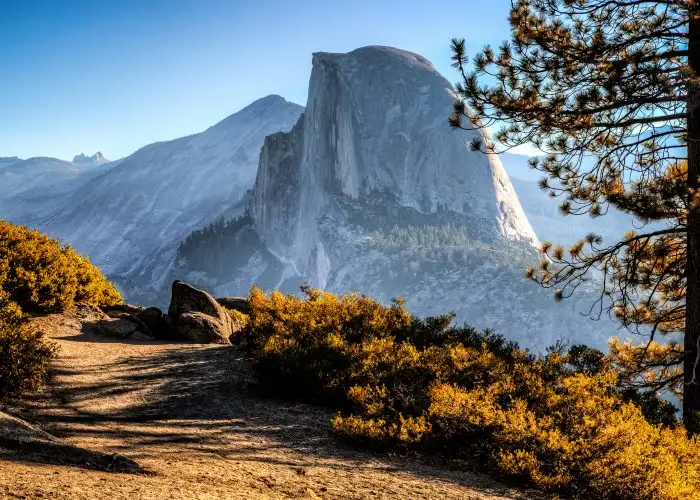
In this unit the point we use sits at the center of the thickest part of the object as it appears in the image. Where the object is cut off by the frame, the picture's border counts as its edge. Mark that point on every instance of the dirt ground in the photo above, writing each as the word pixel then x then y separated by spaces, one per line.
pixel 187 414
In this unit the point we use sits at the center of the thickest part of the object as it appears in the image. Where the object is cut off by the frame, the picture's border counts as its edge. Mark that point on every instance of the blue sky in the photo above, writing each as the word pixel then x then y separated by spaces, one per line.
pixel 115 75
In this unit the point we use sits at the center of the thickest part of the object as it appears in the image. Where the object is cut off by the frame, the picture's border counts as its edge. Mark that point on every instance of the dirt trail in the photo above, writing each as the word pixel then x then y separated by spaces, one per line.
pixel 187 414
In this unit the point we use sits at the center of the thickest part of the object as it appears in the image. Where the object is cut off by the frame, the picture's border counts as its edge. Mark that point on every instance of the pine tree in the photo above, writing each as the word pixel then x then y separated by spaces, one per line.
pixel 608 90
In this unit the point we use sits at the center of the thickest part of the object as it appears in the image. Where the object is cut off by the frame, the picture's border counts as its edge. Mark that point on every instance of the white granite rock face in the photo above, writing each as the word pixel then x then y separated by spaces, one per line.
pixel 373 192
pixel 375 122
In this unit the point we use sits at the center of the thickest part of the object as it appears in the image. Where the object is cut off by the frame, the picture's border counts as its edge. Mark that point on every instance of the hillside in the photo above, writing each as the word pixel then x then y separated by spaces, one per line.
pixel 32 190
pixel 130 219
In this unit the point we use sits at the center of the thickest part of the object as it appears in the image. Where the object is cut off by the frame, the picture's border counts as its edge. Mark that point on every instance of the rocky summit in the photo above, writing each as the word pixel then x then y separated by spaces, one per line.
pixel 372 191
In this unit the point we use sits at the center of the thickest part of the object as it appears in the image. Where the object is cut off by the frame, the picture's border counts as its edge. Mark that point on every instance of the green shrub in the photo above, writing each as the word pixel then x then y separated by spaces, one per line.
pixel 558 421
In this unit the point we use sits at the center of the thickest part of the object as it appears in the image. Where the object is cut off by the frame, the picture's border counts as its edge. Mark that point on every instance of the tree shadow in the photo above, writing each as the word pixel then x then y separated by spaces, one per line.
pixel 57 453
pixel 204 398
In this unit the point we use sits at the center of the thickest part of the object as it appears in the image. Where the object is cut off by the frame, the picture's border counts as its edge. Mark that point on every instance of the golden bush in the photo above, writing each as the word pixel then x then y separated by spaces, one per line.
pixel 558 421
pixel 239 317
pixel 39 275
pixel 24 359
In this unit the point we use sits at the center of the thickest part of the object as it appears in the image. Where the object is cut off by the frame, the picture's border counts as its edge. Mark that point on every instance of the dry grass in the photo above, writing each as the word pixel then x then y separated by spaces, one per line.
pixel 189 415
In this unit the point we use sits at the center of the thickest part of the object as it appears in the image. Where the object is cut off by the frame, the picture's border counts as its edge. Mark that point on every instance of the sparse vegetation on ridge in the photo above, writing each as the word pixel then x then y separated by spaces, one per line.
pixel 450 243
pixel 558 421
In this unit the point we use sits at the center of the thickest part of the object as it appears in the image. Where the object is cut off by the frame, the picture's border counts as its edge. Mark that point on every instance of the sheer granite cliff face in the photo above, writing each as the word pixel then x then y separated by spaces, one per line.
pixel 373 192
pixel 375 122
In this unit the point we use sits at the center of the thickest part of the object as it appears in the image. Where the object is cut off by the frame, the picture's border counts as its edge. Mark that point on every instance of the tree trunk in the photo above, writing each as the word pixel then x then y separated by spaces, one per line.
pixel 691 360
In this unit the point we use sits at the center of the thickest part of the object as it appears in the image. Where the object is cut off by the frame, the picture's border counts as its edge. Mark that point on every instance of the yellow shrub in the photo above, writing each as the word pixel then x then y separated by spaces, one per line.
pixel 458 410
pixel 24 359
pixel 39 275
pixel 559 421
pixel 406 430
pixel 239 317
pixel 363 428
pixel 371 400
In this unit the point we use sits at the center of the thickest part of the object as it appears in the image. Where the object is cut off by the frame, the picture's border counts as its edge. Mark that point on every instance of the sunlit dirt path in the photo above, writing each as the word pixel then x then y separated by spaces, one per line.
pixel 187 414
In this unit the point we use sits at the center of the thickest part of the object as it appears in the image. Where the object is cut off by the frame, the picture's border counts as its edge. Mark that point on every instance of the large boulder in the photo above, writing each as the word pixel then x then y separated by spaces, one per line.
pixel 202 328
pixel 240 304
pixel 160 325
pixel 122 328
pixel 196 316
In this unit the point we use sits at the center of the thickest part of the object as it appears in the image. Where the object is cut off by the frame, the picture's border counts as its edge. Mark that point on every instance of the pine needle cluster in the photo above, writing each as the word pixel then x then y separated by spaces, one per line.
pixel 609 92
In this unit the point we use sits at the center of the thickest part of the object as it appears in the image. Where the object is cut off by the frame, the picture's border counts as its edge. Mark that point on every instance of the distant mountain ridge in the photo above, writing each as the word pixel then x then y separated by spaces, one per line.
pixel 32 190
pixel 96 159
pixel 129 216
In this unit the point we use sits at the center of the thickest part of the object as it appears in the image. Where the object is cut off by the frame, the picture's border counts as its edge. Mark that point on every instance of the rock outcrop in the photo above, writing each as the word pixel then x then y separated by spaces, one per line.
pixel 125 327
pixel 196 316
pixel 115 322
pixel 240 304
pixel 376 122
pixel 193 316
pixel 158 323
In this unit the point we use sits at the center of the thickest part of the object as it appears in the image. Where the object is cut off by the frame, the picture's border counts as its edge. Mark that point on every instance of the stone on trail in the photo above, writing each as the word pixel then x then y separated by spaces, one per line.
pixel 198 317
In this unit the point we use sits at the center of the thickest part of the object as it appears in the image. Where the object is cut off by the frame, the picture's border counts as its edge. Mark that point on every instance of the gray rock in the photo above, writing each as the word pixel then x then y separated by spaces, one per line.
pixel 124 327
pixel 387 133
pixel 122 310
pixel 202 328
pixel 157 323
pixel 240 304
pixel 198 317
pixel 119 328
pixel 91 320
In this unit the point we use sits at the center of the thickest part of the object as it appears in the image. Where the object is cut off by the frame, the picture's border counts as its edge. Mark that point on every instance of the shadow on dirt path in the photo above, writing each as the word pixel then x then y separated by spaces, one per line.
pixel 181 410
